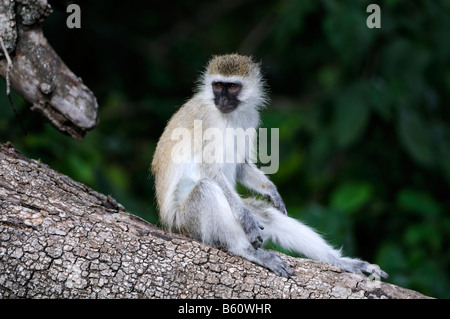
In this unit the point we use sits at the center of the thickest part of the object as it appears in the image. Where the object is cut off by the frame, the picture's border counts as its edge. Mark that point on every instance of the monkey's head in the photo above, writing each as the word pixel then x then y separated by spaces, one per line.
pixel 233 81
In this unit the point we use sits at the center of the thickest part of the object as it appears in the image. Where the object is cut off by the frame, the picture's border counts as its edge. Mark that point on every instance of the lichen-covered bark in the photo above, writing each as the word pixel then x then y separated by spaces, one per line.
pixel 8 31
pixel 37 72
pixel 61 239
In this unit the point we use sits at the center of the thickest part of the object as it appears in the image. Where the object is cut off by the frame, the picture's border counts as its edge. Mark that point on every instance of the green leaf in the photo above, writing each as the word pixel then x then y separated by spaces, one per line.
pixel 417 202
pixel 418 235
pixel 350 197
pixel 350 119
pixel 80 169
pixel 415 137
pixel 341 33
pixel 392 257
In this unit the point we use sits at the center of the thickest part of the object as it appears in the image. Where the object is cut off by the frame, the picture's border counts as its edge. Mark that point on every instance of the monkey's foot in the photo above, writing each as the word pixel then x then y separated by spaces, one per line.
pixel 358 266
pixel 273 262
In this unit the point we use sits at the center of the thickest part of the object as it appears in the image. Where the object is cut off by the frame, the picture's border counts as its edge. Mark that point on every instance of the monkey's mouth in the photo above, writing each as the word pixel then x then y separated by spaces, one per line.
pixel 226 105
pixel 227 109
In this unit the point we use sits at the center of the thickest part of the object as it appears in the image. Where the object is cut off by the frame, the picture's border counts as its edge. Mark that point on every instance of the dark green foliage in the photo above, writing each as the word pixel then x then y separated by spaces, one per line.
pixel 363 113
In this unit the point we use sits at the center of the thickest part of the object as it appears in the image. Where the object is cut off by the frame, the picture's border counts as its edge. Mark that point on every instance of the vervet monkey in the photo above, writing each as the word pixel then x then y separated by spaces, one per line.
pixel 198 198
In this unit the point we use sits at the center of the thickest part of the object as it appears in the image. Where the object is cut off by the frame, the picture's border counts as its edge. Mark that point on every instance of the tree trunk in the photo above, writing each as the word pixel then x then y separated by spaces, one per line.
pixel 61 239
pixel 38 74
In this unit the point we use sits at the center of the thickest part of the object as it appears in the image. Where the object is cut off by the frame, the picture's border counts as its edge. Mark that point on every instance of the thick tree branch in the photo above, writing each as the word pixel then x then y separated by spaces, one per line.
pixel 61 239
pixel 38 74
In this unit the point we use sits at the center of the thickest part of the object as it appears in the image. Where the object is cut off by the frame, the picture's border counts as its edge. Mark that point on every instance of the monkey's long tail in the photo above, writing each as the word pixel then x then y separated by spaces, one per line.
pixel 291 234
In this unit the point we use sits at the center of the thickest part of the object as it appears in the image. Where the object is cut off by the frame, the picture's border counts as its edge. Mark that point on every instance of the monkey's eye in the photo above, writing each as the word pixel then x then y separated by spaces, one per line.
pixel 218 85
pixel 234 87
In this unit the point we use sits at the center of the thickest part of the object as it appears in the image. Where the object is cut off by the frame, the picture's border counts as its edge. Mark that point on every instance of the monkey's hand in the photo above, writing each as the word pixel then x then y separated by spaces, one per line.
pixel 252 228
pixel 277 202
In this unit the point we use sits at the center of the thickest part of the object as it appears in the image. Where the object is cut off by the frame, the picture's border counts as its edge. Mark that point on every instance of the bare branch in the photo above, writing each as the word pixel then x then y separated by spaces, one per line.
pixel 61 239
pixel 38 74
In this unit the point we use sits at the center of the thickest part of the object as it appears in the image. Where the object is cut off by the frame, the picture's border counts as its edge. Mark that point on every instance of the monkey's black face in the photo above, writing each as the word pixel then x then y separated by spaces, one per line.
pixel 226 95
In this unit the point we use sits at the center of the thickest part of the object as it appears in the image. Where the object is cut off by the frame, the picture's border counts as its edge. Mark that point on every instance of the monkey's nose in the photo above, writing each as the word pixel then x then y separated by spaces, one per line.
pixel 226 105
pixel 223 101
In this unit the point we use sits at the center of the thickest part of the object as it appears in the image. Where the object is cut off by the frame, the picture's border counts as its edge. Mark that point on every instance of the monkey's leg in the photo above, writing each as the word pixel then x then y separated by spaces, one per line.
pixel 206 214
pixel 295 236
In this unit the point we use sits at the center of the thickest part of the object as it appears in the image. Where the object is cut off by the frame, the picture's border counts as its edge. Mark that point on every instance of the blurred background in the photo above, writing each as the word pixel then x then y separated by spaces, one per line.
pixel 363 113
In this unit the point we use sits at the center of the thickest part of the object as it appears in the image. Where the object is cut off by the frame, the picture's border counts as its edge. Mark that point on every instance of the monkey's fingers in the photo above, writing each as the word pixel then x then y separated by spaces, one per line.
pixel 255 238
pixel 283 210
pixel 257 243
pixel 384 274
pixel 277 202
pixel 375 269
pixel 281 206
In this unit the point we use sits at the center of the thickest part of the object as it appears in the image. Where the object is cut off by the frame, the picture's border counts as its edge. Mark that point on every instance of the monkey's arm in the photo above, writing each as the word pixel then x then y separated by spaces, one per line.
pixel 252 178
